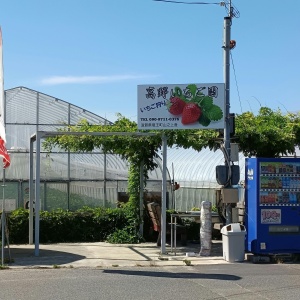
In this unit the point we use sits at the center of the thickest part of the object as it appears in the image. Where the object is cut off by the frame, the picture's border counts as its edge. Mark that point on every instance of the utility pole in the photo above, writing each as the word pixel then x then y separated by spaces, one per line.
pixel 226 47
pixel 228 44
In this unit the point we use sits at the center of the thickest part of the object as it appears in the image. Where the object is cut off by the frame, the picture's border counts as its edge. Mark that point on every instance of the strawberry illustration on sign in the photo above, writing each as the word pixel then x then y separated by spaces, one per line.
pixel 176 105
pixel 191 113
pixel 194 106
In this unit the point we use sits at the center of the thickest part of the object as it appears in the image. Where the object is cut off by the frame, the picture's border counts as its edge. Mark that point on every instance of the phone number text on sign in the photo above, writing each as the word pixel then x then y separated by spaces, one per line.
pixel 271 216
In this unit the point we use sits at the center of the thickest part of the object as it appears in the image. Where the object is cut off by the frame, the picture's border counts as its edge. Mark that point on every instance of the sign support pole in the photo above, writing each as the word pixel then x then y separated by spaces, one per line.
pixel 164 195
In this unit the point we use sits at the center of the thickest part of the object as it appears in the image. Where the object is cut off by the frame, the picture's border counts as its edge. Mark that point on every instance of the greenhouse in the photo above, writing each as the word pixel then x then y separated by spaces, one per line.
pixel 67 180
pixel 196 174
pixel 73 180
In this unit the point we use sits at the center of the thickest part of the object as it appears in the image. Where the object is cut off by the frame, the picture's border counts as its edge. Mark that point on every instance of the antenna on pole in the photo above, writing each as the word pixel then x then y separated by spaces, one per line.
pixel 231 10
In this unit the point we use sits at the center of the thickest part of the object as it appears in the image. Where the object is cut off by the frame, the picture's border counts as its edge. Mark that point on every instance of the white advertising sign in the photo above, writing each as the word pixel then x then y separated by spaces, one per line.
pixel 181 106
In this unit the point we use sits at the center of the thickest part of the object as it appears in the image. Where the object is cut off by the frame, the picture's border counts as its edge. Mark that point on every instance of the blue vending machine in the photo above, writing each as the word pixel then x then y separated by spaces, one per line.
pixel 272 205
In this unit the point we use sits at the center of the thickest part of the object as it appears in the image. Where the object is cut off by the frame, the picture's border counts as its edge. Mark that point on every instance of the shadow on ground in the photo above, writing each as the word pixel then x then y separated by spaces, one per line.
pixel 26 257
pixel 181 275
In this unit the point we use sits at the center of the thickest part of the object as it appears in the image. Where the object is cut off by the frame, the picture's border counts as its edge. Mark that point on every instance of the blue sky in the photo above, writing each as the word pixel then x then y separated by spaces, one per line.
pixel 94 53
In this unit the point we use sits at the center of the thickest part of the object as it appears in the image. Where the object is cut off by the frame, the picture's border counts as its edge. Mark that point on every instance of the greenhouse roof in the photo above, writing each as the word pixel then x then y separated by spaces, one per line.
pixel 27 112
pixel 41 112
pixel 197 169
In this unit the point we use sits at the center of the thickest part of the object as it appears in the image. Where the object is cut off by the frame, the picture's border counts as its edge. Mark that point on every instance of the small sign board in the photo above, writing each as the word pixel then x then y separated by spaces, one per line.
pixel 181 106
pixel 270 216
pixel 9 204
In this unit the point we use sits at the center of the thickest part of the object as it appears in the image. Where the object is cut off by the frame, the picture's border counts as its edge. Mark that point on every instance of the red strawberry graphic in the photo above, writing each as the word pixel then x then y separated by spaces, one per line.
pixel 191 113
pixel 175 105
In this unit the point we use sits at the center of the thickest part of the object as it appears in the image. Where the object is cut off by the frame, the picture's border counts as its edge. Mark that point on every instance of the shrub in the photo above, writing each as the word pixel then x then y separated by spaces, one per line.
pixel 18 224
pixel 84 225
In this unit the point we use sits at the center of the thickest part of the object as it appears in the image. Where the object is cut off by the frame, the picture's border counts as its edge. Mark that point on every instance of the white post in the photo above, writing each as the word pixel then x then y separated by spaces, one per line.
pixel 205 229
pixel 142 199
pixel 37 195
pixel 104 180
pixel 164 196
pixel 31 192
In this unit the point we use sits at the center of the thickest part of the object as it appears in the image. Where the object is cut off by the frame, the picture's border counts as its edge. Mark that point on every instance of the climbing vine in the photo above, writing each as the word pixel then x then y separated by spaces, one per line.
pixel 268 134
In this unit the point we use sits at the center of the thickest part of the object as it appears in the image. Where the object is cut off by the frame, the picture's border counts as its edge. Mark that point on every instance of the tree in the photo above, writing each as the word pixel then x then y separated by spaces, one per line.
pixel 269 134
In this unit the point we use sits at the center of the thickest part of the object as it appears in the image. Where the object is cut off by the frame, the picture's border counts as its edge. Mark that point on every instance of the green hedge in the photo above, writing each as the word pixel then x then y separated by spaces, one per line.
pixel 114 225
pixel 117 225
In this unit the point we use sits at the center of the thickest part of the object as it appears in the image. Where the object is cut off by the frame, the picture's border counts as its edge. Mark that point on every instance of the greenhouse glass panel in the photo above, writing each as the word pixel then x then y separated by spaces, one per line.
pixel 53 196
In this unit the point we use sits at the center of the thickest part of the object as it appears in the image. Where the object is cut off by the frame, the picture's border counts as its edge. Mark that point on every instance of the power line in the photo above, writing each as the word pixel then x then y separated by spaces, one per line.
pixel 184 2
pixel 230 8
pixel 237 87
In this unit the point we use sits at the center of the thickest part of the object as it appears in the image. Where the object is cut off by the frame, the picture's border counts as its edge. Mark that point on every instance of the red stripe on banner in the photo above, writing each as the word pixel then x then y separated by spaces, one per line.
pixel 4 154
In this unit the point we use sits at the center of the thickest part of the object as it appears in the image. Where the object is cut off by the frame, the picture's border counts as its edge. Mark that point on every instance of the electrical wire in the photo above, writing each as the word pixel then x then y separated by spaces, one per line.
pixel 184 2
pixel 236 83
pixel 230 8
pixel 238 92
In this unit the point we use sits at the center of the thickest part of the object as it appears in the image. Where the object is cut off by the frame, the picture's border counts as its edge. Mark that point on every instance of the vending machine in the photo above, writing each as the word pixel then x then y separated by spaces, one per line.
pixel 272 205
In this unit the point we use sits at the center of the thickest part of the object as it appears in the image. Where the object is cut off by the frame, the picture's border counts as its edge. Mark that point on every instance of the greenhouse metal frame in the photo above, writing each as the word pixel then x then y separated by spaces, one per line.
pixel 68 180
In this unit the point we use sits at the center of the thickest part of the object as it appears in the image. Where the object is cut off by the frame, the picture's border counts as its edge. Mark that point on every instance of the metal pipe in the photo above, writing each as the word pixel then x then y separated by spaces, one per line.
pixel 142 198
pixel 37 194
pixel 31 192
pixel 164 196
pixel 3 218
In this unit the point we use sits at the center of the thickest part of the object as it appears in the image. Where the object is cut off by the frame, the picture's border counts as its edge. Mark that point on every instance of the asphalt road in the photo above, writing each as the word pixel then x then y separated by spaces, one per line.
pixel 231 281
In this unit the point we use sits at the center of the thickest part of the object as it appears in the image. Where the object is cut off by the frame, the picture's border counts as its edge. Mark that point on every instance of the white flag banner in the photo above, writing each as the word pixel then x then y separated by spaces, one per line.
pixel 3 150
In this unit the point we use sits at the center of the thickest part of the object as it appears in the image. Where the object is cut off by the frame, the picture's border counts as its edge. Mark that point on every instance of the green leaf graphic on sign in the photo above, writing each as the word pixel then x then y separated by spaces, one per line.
pixel 191 94
pixel 204 120
pixel 192 88
pixel 207 103
pixel 215 113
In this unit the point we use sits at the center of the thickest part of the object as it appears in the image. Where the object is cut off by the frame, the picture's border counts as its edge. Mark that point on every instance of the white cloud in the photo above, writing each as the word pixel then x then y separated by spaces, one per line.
pixel 56 80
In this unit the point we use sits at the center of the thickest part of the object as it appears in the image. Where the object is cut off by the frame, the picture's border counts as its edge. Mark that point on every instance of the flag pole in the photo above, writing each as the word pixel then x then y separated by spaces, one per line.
pixel 3 151
pixel 3 219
